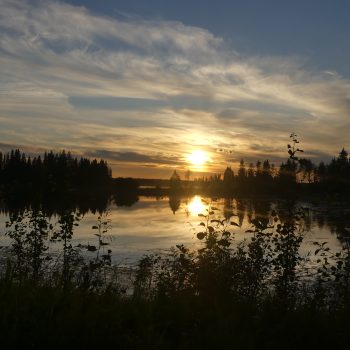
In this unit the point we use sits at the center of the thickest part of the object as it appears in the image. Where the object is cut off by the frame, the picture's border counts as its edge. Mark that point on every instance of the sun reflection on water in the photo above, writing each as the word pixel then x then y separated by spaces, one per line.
pixel 196 206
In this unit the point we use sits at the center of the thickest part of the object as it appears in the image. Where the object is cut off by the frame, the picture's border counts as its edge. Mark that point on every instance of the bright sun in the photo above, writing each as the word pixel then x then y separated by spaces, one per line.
pixel 198 157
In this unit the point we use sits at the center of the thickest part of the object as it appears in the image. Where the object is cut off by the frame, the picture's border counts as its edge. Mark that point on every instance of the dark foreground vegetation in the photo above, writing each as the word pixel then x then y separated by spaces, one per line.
pixel 259 293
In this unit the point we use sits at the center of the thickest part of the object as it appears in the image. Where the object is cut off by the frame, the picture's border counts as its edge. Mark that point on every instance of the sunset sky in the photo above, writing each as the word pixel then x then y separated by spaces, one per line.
pixel 145 84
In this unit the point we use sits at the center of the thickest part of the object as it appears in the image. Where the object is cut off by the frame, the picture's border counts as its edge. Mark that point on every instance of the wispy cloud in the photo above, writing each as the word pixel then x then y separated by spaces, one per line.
pixel 134 157
pixel 73 79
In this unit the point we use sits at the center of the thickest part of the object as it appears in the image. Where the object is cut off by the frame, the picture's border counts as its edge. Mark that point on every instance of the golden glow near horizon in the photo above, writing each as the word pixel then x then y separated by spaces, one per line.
pixel 196 206
pixel 198 158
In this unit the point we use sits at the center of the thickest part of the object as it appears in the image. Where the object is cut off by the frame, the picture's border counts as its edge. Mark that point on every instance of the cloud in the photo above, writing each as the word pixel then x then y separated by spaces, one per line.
pixel 116 103
pixel 134 157
pixel 73 79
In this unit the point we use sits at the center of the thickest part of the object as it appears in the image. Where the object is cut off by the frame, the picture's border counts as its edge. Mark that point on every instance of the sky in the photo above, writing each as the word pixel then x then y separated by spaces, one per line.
pixel 143 84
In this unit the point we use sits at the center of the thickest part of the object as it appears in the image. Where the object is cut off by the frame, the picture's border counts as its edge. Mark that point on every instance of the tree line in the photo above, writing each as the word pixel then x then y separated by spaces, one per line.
pixel 264 176
pixel 50 173
pixel 294 170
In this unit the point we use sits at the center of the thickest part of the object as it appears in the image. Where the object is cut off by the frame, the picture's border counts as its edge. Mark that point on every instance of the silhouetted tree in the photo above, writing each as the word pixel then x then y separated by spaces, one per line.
pixel 251 172
pixel 228 179
pixel 174 203
pixel 175 181
pixel 266 171
pixel 242 171
pixel 306 168
pixel 321 172
pixel 188 175
pixel 55 173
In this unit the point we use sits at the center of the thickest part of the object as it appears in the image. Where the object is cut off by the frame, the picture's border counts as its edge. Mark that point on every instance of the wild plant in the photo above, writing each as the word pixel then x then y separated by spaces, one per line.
pixel 333 275
pixel 98 273
pixel 28 232
pixel 145 276
pixel 287 241
pixel 260 268
pixel 214 259
pixel 258 258
pixel 103 225
pixel 71 257
pixel 205 272
pixel 175 272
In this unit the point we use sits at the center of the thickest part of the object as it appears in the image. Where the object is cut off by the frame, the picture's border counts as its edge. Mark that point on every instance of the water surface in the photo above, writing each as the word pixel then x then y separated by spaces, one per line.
pixel 156 224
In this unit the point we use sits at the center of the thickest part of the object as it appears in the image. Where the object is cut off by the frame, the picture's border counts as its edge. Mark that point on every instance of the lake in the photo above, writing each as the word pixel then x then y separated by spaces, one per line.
pixel 156 224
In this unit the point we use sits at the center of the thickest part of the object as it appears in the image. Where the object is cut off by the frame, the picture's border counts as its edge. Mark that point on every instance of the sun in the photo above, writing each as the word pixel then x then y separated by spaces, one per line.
pixel 198 157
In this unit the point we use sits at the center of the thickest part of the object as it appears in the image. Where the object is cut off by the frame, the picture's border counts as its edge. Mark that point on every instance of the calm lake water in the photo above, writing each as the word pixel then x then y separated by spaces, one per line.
pixel 154 225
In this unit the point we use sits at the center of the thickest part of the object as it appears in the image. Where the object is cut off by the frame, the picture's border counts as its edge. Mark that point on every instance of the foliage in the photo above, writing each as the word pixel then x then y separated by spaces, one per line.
pixel 254 290
pixel 28 232
pixel 67 222
pixel 250 270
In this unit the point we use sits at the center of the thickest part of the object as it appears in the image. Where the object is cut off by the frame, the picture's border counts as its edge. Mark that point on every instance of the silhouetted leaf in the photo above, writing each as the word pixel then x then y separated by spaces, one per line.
pixel 201 235
pixel 224 242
